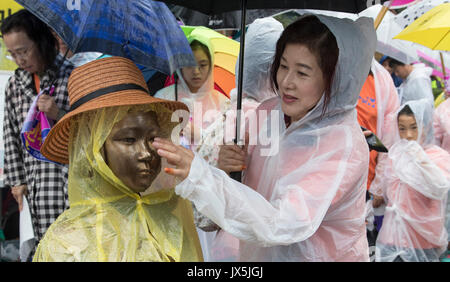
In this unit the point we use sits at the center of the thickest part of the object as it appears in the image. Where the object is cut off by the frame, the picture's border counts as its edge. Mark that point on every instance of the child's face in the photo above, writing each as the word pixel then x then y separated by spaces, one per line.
pixel 195 77
pixel 407 127
pixel 129 151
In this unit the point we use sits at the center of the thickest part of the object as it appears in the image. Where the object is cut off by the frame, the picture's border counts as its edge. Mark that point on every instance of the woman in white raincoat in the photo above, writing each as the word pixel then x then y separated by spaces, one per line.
pixel 310 194
pixel 414 181
pixel 122 207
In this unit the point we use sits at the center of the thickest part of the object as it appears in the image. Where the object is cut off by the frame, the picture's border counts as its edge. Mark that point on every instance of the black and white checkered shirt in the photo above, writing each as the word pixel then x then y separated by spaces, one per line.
pixel 46 182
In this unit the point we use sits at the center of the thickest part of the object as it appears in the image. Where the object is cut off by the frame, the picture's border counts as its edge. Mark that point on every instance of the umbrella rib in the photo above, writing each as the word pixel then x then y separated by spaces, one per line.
pixel 441 39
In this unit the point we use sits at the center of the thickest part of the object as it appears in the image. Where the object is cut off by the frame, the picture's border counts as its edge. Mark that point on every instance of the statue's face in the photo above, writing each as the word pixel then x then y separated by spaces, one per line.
pixel 129 151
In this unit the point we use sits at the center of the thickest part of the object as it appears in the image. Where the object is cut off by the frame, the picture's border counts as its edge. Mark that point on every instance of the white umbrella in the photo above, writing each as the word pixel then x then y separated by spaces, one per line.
pixel 413 12
pixel 400 50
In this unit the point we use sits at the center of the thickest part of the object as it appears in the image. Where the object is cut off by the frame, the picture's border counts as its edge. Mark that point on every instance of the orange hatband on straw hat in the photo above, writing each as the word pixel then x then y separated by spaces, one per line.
pixel 107 82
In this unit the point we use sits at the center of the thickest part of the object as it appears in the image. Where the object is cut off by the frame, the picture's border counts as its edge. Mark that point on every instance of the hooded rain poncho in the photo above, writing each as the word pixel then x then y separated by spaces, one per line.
pixel 414 181
pixel 310 180
pixel 417 85
pixel 107 221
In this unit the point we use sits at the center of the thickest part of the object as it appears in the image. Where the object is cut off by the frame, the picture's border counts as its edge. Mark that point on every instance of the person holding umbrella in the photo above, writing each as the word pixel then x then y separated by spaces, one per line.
pixel 33 47
pixel 309 203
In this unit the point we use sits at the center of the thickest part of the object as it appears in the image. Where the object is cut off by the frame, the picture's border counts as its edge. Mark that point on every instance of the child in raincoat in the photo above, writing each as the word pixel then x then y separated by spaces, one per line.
pixel 303 194
pixel 414 182
pixel 122 208
pixel 195 88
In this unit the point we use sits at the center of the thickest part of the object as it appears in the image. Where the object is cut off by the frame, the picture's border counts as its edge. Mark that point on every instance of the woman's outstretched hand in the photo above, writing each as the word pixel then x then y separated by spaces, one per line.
pixel 176 155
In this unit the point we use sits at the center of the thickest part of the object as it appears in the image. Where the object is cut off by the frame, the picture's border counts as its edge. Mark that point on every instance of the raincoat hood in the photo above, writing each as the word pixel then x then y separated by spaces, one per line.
pixel 353 66
pixel 420 70
pixel 260 42
pixel 423 113
pixel 107 221
pixel 186 96
pixel 417 85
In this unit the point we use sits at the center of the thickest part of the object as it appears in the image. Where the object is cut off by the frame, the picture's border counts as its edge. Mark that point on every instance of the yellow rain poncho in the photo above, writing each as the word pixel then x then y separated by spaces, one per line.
pixel 107 221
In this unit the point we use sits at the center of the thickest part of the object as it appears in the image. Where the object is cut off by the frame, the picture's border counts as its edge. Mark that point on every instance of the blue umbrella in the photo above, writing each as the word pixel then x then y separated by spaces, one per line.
pixel 142 30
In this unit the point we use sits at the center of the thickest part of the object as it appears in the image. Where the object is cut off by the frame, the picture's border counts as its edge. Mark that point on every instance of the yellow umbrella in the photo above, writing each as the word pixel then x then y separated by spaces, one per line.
pixel 431 29
pixel 7 7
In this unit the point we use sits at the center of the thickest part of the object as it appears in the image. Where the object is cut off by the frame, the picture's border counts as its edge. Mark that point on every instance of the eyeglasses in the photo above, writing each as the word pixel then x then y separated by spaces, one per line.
pixel 22 53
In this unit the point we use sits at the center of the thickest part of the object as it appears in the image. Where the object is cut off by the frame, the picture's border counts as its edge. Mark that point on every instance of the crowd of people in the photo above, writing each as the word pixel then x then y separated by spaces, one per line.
pixel 123 184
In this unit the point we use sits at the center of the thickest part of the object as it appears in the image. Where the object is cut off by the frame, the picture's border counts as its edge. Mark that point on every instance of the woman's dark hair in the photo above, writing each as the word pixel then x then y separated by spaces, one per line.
pixel 36 30
pixel 196 45
pixel 406 110
pixel 319 40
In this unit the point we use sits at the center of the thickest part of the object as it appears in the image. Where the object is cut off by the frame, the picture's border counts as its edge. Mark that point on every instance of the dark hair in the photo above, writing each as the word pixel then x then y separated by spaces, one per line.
pixel 394 62
pixel 406 110
pixel 196 45
pixel 36 30
pixel 319 40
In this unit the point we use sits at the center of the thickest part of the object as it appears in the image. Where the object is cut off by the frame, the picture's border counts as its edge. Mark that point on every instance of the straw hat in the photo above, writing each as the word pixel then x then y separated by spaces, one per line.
pixel 108 82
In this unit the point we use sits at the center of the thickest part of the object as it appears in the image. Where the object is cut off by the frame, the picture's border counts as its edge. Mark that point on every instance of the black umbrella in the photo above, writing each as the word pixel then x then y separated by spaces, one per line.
pixel 227 20
pixel 216 7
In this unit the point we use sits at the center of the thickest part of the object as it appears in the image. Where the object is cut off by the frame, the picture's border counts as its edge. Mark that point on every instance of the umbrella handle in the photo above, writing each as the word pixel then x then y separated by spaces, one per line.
pixel 175 77
pixel 381 15
pixel 236 175
pixel 443 65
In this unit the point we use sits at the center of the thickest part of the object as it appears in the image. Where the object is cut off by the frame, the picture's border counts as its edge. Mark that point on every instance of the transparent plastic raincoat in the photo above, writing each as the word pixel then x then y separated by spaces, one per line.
pixel 260 42
pixel 310 194
pixel 387 102
pixel 417 85
pixel 441 125
pixel 387 99
pixel 107 221
pixel 415 179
